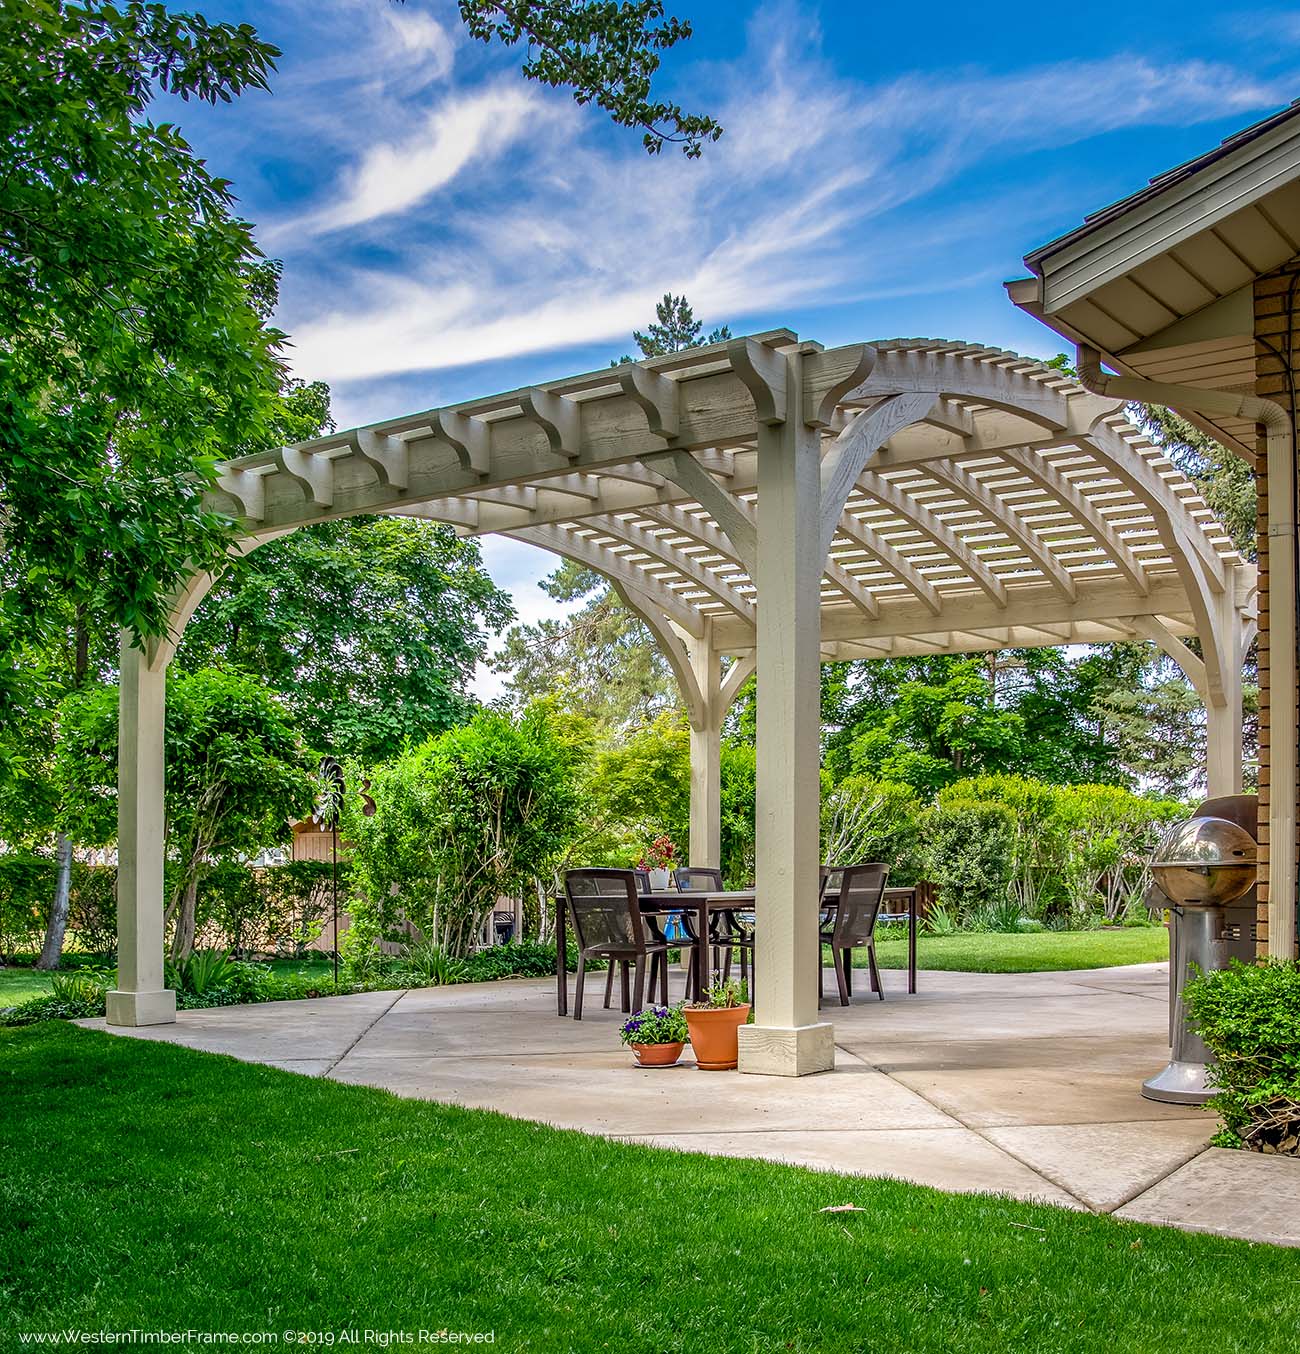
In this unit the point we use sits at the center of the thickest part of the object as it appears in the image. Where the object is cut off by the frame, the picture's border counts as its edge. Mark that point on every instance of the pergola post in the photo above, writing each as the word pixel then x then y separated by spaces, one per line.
pixel 787 1038
pixel 706 795
pixel 706 709
pixel 1223 740
pixel 140 997
pixel 1216 679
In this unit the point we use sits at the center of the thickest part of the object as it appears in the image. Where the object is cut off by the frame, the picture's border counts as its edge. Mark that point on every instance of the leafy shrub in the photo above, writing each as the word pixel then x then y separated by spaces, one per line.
pixel 968 854
pixel 941 921
pixel 1249 1017
pixel 35 1009
pixel 200 972
pixel 1002 918
pixel 359 950
pixel 1037 846
pixel 427 965
pixel 271 909
pixel 471 816
pixel 1075 849
pixel 86 986
pixel 92 907
pixel 739 841
pixel 867 819
pixel 519 959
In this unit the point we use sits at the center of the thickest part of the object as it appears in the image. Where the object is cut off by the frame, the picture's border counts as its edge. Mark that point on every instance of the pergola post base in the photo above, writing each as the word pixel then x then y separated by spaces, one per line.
pixel 774 1052
pixel 141 1008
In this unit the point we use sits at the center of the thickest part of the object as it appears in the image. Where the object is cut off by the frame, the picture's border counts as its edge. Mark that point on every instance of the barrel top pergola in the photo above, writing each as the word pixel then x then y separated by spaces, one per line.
pixel 763 505
pixel 988 500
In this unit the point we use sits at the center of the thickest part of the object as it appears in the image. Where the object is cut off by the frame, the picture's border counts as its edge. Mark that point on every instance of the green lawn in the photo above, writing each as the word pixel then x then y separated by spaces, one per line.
pixel 983 953
pixel 150 1186
pixel 993 952
pixel 17 983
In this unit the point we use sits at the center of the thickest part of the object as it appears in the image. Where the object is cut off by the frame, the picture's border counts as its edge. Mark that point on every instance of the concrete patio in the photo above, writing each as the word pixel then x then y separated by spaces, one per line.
pixel 1022 1084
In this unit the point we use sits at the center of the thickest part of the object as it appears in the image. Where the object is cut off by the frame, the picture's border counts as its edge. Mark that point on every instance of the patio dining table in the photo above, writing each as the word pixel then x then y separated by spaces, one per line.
pixel 661 902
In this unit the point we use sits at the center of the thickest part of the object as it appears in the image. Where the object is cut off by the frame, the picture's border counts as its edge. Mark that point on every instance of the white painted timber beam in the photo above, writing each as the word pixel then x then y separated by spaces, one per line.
pixel 893 559
pixel 763 372
pixel 847 456
pixel 470 438
pixel 386 455
pixel 614 568
pixel 1039 603
pixel 558 417
pixel 828 376
pixel 1005 517
pixel 934 529
pixel 662 552
pixel 967 377
pixel 311 471
pixel 725 509
pixel 655 395
pixel 1082 509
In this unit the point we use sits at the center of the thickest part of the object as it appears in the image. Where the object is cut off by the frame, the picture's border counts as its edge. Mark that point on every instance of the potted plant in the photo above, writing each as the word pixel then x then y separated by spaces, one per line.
pixel 714 1025
pixel 659 858
pixel 656 1035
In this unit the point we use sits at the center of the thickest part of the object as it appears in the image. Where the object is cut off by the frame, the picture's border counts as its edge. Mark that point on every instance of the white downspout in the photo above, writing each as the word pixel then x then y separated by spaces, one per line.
pixel 1282 603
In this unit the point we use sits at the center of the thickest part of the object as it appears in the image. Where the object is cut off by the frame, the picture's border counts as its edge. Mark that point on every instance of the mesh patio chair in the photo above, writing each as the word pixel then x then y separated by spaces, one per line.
pixel 728 932
pixel 682 936
pixel 851 924
pixel 608 924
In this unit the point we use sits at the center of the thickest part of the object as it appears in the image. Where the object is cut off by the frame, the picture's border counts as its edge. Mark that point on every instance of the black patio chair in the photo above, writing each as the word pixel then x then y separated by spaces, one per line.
pixel 607 921
pixel 851 924
pixel 728 933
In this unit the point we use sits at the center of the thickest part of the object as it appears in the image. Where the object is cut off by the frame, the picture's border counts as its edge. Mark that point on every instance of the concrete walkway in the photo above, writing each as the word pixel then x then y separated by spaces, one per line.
pixel 1022 1084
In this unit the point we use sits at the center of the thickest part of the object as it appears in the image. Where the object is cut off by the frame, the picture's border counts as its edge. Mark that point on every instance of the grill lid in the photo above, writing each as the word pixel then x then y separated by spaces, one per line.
pixel 1205 841
pixel 1205 862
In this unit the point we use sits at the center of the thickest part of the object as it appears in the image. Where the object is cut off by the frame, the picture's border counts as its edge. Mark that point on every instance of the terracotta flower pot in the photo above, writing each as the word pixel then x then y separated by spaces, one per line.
pixel 714 1036
pixel 657 1055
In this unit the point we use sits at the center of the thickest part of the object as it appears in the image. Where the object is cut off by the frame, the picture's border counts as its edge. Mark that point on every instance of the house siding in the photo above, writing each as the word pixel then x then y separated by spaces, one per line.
pixel 1277 339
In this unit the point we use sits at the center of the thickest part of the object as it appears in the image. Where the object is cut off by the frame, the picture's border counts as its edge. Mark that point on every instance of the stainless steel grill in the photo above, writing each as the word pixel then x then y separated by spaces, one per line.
pixel 1203 864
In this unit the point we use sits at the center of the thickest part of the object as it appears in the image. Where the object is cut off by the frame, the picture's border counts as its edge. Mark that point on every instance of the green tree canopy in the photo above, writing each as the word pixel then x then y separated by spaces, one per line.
pixel 369 628
pixel 601 660
pixel 675 329
pixel 133 348
pixel 606 52
pixel 461 821
pixel 236 775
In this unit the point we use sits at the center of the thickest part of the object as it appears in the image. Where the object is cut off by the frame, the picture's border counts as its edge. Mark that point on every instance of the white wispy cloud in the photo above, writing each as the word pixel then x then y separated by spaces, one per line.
pixel 465 129
pixel 508 223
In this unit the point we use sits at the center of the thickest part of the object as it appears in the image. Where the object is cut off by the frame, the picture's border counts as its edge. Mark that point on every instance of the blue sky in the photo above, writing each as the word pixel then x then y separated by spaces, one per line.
pixel 449 230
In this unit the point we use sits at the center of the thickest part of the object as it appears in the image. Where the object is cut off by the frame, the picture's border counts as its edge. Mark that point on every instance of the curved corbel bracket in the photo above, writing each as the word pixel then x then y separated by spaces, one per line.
pixel 764 372
pixel 470 438
pixel 828 376
pixel 389 457
pixel 246 487
pixel 558 418
pixel 311 471
pixel 657 397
